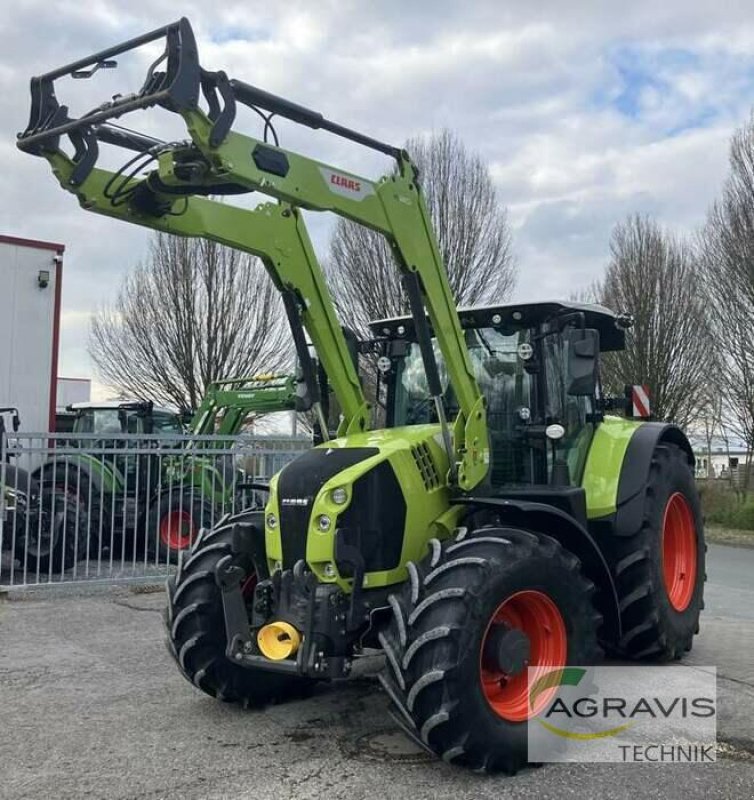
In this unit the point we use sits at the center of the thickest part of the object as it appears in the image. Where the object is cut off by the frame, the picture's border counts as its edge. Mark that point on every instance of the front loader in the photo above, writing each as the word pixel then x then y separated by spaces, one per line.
pixel 501 520
pixel 200 485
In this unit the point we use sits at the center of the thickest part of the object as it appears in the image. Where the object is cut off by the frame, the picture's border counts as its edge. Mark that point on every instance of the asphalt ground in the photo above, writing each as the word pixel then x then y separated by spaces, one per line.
pixel 93 707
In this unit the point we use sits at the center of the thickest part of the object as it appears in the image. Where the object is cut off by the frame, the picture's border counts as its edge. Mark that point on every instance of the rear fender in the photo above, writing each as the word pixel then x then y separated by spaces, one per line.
pixel 634 475
pixel 100 476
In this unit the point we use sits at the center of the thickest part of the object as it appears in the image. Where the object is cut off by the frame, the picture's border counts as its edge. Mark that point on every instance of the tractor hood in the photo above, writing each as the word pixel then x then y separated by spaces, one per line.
pixel 383 490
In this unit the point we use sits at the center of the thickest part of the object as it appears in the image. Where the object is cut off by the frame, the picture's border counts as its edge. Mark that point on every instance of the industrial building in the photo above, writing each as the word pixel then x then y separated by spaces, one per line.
pixel 31 273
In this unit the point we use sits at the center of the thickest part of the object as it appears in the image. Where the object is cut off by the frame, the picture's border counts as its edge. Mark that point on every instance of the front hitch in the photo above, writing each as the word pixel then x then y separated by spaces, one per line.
pixel 291 598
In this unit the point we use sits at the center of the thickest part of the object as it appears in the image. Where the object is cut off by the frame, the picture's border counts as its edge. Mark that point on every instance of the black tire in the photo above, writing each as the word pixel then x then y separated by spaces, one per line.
pixel 439 621
pixel 57 533
pixel 652 628
pixel 79 491
pixel 163 536
pixel 196 629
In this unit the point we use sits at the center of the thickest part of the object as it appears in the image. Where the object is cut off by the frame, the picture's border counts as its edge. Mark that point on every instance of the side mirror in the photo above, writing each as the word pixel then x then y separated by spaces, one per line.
pixel 583 351
pixel 397 348
pixel 352 343
pixel 304 399
pixel 16 422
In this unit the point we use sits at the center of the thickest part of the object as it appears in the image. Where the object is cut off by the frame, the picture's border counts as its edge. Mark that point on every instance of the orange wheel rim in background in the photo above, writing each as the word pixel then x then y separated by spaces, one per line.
pixel 679 557
pixel 177 530
pixel 537 616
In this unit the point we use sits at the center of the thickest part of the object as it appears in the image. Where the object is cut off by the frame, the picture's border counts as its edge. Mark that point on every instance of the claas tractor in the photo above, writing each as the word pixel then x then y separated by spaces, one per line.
pixel 501 523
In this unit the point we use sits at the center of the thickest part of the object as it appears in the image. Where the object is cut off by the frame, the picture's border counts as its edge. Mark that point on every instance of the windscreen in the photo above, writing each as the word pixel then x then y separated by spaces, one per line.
pixel 498 360
pixel 100 420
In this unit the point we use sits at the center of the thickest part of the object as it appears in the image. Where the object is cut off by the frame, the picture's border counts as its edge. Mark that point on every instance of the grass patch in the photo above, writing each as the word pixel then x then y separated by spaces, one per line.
pixel 729 536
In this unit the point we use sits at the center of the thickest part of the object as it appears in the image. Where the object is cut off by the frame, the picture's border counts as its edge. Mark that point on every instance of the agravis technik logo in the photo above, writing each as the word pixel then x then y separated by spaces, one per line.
pixel 659 714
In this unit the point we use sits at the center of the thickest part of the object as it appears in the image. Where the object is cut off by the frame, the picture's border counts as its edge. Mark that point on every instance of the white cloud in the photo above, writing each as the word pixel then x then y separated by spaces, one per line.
pixel 586 111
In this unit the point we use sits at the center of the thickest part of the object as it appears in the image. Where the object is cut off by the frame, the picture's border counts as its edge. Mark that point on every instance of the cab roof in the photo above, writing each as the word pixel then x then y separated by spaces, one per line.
pixel 516 316
pixel 126 405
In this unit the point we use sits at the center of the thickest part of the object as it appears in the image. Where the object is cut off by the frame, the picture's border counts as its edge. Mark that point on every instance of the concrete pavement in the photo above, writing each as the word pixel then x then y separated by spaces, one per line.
pixel 93 707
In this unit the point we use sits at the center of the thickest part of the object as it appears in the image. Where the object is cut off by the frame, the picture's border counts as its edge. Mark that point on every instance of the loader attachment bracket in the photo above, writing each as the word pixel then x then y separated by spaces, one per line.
pixel 174 87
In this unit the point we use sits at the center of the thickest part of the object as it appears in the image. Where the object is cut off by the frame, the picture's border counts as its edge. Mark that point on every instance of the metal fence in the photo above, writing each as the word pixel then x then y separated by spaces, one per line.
pixel 120 509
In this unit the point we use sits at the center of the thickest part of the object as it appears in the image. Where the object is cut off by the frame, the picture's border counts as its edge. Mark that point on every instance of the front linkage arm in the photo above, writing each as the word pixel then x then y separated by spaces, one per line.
pixel 219 160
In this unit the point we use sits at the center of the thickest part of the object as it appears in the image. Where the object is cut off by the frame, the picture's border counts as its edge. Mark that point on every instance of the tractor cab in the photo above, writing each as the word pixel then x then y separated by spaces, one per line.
pixel 118 417
pixel 537 366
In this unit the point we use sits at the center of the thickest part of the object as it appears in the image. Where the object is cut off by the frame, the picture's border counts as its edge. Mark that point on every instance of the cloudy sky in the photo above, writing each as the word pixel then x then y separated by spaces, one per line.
pixel 585 111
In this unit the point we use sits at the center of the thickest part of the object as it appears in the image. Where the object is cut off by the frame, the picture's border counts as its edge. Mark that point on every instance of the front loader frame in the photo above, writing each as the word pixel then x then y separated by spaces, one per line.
pixel 221 161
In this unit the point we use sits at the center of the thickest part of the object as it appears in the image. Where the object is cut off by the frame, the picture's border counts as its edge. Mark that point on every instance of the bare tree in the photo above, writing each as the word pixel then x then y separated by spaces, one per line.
pixel 655 277
pixel 727 256
pixel 711 425
pixel 194 312
pixel 471 227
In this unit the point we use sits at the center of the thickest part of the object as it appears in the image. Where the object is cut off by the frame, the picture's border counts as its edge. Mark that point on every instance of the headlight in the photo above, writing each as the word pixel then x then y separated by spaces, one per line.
pixel 339 495
pixel 324 522
pixel 272 521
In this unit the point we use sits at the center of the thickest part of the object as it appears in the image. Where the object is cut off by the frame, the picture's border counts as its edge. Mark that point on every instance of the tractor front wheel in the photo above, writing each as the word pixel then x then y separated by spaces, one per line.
pixel 196 627
pixel 175 522
pixel 55 538
pixel 475 614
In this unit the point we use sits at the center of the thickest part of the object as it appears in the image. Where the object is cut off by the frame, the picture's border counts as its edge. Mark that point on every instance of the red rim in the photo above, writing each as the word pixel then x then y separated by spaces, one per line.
pixel 679 555
pixel 537 616
pixel 177 530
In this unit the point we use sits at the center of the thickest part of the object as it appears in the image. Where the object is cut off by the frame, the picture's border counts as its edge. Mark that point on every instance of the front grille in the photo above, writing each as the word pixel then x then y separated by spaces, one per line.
pixel 298 485
pixel 375 520
pixel 426 465
pixel 294 523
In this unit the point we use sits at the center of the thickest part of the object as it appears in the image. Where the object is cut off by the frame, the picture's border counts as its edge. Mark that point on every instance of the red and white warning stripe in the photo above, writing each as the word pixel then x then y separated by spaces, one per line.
pixel 640 401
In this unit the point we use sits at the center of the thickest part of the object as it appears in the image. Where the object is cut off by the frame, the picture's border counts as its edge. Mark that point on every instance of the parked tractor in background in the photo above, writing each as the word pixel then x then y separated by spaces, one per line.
pixel 136 482
pixel 41 533
pixel 200 485
pixel 123 417
pixel 500 520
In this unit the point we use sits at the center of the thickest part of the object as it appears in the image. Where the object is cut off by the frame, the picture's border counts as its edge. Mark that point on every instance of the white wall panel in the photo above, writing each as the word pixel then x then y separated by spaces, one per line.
pixel 27 320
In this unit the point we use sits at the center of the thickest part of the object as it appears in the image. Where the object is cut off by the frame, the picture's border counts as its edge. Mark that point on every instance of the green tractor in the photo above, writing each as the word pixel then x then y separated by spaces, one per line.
pixel 105 473
pixel 500 520
pixel 200 485
pixel 150 491
pixel 42 533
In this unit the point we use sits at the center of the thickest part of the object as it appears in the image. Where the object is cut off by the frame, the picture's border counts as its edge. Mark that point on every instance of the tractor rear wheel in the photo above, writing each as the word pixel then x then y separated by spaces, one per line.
pixel 476 612
pixel 659 567
pixel 196 627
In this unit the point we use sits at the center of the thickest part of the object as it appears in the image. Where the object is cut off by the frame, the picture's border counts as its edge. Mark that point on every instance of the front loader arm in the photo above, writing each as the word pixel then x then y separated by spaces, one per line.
pixel 237 398
pixel 220 160
pixel 278 236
